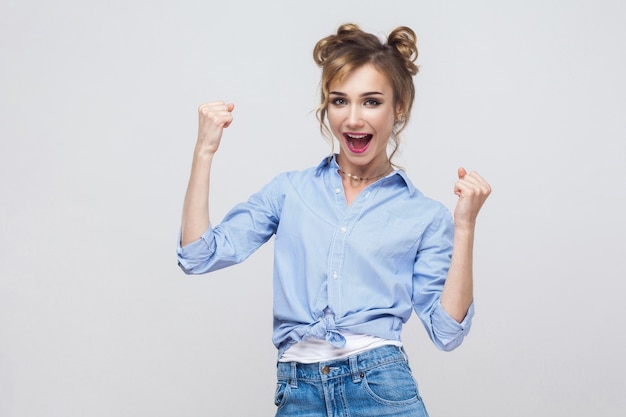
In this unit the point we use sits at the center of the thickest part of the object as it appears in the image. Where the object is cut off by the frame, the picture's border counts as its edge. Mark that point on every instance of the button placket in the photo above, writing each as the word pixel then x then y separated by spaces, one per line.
pixel 347 218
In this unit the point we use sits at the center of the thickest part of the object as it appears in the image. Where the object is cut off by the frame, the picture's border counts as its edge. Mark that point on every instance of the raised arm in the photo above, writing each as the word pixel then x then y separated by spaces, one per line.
pixel 212 119
pixel 458 291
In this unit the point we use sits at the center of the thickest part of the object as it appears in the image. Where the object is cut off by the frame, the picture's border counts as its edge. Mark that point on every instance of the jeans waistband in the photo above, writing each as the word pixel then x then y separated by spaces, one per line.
pixel 353 365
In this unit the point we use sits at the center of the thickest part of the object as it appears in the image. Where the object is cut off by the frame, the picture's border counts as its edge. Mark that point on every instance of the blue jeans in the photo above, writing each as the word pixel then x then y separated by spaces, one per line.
pixel 374 383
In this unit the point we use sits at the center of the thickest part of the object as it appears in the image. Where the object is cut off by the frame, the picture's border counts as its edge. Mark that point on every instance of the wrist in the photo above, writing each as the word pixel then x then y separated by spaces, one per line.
pixel 464 228
pixel 203 153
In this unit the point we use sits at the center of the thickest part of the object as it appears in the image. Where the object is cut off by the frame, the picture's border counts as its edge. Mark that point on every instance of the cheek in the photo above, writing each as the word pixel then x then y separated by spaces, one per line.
pixel 385 123
pixel 333 120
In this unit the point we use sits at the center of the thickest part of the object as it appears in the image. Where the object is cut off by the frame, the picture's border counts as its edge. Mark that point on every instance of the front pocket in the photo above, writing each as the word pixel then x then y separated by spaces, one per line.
pixel 281 394
pixel 391 384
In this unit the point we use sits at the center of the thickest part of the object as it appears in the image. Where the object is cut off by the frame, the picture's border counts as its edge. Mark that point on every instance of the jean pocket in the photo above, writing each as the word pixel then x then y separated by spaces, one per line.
pixel 391 384
pixel 281 394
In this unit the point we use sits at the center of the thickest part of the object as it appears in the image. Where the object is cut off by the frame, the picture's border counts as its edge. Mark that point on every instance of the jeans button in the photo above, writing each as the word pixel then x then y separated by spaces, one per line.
pixel 325 370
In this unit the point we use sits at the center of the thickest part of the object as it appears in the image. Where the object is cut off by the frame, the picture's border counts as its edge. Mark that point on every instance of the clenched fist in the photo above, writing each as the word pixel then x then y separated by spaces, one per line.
pixel 472 190
pixel 213 118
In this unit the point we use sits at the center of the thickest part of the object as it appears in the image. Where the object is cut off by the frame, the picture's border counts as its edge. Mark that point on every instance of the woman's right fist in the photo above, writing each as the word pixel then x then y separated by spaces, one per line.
pixel 212 119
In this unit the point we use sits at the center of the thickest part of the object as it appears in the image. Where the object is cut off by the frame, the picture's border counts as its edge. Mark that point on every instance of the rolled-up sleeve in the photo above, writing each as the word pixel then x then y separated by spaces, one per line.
pixel 242 231
pixel 194 257
pixel 448 333
pixel 430 272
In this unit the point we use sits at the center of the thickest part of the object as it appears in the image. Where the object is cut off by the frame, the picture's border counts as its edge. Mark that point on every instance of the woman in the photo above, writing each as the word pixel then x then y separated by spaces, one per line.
pixel 357 246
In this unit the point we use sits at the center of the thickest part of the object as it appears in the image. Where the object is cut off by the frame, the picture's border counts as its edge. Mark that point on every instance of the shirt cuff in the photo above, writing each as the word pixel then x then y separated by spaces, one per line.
pixel 448 332
pixel 194 255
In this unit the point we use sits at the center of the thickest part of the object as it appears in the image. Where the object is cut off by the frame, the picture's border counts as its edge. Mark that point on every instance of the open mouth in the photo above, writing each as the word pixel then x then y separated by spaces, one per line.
pixel 357 142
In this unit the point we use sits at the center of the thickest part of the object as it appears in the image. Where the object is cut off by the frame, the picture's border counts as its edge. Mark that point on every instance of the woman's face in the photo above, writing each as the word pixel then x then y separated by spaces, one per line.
pixel 361 115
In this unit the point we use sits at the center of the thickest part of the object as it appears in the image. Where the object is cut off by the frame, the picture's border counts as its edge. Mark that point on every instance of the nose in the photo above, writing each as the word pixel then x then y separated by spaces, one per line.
pixel 355 117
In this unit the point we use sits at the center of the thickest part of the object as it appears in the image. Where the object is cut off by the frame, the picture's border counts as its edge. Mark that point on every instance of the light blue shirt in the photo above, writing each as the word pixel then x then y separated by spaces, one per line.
pixel 370 264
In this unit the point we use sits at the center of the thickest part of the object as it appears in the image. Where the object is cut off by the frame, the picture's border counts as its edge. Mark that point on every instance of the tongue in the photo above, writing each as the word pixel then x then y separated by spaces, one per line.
pixel 359 143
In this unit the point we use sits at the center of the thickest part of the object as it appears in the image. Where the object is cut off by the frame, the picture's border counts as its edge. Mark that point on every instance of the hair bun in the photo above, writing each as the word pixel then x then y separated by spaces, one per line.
pixel 404 40
pixel 346 33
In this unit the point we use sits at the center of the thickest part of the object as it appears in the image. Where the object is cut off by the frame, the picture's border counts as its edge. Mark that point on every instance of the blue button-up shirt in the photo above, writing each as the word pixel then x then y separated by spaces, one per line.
pixel 369 264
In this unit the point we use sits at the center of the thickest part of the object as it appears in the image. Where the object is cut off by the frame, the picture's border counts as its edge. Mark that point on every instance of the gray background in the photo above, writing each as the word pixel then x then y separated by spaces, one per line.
pixel 98 121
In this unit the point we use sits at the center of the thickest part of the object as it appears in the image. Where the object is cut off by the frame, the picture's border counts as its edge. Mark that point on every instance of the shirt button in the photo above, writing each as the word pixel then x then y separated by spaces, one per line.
pixel 335 276
pixel 325 370
pixel 337 190
pixel 344 229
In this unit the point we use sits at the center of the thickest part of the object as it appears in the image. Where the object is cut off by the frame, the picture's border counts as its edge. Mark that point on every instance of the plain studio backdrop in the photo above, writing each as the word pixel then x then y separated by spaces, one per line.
pixel 98 106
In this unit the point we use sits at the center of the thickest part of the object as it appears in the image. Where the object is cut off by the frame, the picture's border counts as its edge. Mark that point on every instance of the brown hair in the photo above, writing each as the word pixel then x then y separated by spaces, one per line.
pixel 351 48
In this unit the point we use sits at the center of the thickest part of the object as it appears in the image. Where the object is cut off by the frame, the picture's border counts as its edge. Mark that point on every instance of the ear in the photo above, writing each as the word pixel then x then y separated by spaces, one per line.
pixel 399 109
pixel 400 116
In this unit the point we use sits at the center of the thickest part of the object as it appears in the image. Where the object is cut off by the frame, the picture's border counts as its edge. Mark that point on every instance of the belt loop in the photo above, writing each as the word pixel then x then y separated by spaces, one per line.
pixel 354 369
pixel 293 380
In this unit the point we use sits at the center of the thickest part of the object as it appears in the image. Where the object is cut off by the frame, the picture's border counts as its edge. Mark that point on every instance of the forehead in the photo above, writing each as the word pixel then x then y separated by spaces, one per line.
pixel 363 79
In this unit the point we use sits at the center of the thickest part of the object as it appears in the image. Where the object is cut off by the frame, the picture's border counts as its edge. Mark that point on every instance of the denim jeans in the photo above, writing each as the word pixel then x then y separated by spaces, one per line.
pixel 376 383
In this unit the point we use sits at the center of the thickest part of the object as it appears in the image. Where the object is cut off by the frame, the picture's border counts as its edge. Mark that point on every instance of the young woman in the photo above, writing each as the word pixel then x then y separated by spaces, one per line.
pixel 357 246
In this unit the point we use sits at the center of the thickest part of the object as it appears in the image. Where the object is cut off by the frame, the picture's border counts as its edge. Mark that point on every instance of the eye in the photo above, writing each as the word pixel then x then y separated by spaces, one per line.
pixel 372 102
pixel 338 101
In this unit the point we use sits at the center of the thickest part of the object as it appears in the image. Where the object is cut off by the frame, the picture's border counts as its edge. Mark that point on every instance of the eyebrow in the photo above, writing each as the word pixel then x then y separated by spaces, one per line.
pixel 369 93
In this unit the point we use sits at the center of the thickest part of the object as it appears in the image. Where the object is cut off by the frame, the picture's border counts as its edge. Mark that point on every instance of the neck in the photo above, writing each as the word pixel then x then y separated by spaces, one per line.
pixel 376 176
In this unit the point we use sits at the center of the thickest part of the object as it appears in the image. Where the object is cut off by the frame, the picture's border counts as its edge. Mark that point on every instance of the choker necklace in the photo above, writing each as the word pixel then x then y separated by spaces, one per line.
pixel 357 178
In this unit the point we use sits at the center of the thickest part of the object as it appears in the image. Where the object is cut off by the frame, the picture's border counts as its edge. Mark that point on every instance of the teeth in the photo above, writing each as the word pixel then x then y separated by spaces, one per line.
pixel 357 136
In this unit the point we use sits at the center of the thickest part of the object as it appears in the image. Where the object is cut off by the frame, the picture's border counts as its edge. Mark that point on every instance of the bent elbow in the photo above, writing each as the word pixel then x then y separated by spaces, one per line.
pixel 191 268
pixel 450 342
pixel 449 347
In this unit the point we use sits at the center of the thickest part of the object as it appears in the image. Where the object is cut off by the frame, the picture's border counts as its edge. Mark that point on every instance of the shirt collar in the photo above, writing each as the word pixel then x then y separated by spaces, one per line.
pixel 330 163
